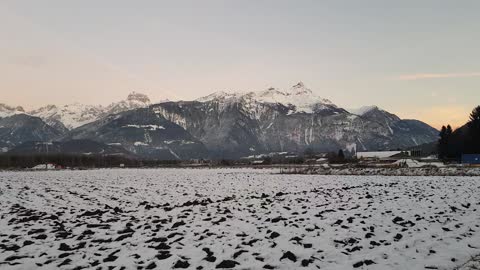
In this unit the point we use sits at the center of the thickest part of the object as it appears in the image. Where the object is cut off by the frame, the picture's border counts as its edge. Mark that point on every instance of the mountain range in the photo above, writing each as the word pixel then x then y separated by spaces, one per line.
pixel 220 125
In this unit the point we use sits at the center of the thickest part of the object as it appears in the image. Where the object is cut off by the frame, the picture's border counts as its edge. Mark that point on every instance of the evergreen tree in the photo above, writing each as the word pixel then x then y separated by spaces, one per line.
pixel 449 151
pixel 449 131
pixel 465 140
pixel 442 144
pixel 475 115
pixel 474 131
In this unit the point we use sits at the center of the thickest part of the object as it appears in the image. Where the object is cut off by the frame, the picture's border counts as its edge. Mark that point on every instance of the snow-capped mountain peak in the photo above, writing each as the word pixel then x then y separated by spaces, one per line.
pixel 134 101
pixel 219 95
pixel 77 114
pixel 299 89
pixel 138 98
pixel 300 84
pixel 301 98
pixel 71 115
pixel 6 110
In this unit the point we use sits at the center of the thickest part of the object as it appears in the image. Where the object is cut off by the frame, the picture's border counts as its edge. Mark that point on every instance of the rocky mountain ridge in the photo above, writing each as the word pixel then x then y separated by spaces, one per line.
pixel 75 115
pixel 229 125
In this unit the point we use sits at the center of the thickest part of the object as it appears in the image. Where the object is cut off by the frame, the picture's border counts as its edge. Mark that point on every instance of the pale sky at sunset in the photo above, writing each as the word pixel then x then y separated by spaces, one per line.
pixel 418 59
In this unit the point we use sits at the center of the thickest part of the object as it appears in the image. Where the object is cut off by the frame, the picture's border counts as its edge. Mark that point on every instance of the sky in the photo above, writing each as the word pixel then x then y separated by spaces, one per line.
pixel 417 59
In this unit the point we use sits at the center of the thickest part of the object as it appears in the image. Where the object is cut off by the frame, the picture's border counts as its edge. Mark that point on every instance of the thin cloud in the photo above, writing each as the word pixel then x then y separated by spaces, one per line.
pixel 422 76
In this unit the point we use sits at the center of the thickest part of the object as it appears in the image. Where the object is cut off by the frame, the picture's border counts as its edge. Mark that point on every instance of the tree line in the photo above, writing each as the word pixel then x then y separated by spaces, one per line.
pixel 11 161
pixel 464 140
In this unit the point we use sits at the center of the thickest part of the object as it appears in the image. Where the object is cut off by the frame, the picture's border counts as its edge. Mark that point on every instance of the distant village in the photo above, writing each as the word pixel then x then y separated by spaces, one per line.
pixel 374 159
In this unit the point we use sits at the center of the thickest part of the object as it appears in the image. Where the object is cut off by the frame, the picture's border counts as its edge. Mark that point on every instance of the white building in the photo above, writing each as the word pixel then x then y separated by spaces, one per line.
pixel 48 166
pixel 380 154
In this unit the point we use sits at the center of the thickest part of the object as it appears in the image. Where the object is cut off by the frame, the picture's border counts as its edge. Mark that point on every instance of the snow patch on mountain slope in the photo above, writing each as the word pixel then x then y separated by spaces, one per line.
pixel 172 117
pixel 147 127
pixel 362 110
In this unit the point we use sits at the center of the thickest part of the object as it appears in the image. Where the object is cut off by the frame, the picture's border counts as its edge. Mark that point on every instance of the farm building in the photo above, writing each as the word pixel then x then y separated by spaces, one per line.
pixel 382 154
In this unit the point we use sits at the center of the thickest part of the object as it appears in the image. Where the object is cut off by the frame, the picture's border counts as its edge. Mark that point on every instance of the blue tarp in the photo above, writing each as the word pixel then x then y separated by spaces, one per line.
pixel 471 158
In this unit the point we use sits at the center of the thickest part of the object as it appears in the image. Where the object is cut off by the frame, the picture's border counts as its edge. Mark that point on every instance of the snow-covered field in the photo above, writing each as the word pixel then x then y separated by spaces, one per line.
pixel 242 218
